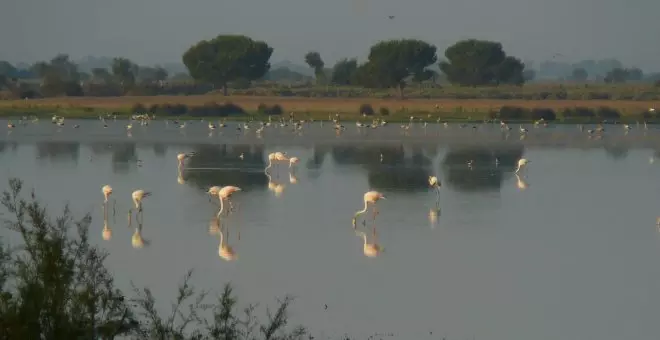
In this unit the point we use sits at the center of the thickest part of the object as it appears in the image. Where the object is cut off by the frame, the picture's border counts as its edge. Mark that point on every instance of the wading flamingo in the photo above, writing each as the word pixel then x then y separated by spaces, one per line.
pixel 213 191
pixel 138 196
pixel 369 197
pixel 275 157
pixel 182 157
pixel 293 161
pixel 435 184
pixel 224 194
pixel 107 191
pixel 522 163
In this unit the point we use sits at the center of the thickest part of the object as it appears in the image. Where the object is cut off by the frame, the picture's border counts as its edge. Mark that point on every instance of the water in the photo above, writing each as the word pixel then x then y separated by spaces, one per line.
pixel 573 256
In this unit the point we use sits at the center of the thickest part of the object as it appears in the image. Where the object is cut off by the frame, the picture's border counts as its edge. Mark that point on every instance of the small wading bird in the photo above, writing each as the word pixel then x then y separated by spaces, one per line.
pixel 224 194
pixel 369 197
pixel 522 163
pixel 138 196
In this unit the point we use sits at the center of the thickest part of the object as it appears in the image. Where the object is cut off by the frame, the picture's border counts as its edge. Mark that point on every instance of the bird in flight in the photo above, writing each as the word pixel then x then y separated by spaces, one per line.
pixel 391 17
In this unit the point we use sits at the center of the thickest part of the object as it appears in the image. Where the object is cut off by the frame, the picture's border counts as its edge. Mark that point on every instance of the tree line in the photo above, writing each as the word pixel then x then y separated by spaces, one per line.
pixel 238 61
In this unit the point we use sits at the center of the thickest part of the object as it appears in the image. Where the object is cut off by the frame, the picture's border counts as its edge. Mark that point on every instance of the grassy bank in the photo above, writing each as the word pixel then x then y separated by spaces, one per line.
pixel 242 107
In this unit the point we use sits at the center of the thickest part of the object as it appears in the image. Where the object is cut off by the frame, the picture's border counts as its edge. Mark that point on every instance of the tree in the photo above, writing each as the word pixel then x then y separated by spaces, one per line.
pixel 125 72
pixel 480 62
pixel 579 74
pixel 313 59
pixel 392 62
pixel 152 74
pixel 7 69
pixel 635 74
pixel 529 74
pixel 60 76
pixel 227 58
pixel 101 75
pixel 343 73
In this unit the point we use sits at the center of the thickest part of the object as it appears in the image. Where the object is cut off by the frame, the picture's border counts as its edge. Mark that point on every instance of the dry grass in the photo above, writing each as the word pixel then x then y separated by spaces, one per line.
pixel 329 105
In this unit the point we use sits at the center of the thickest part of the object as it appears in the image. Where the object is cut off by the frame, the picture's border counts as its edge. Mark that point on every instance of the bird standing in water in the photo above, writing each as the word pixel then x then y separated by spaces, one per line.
pixel 369 197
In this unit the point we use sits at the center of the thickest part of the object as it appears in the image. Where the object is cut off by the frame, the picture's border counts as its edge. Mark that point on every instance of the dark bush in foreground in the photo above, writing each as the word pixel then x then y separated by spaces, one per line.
pixel 270 110
pixel 384 111
pixel 56 286
pixel 513 113
pixel 367 110
pixel 169 109
pixel 138 108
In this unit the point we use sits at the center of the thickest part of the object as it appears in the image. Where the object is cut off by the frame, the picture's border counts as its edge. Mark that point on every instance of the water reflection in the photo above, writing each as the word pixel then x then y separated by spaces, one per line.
pixel 434 213
pixel 107 232
pixel 220 164
pixel 388 168
pixel 370 249
pixel 58 151
pixel 616 152
pixel 225 251
pixel 488 166
pixel 160 149
pixel 8 145
pixel 276 187
pixel 520 183
pixel 137 240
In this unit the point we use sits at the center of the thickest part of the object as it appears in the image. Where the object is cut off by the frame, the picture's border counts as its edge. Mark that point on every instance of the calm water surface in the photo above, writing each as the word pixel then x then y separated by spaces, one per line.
pixel 571 251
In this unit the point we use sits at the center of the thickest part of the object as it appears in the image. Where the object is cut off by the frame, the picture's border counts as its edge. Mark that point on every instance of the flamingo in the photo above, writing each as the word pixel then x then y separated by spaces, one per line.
pixel 223 194
pixel 107 191
pixel 521 164
pixel 275 157
pixel 182 157
pixel 138 196
pixel 435 184
pixel 369 197
pixel 293 161
pixel 369 249
pixel 213 191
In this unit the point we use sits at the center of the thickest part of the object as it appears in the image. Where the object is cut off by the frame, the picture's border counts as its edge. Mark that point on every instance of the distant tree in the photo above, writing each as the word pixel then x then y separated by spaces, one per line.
pixel 479 62
pixel 343 73
pixel 101 75
pixel 635 74
pixel 151 74
pixel 228 58
pixel 393 62
pixel 314 60
pixel 285 74
pixel 529 74
pixel 125 72
pixel 579 74
pixel 7 69
pixel 60 76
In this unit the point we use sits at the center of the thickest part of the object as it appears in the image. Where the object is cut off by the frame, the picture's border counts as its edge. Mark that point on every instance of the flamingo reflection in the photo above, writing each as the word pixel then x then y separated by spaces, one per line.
pixel 137 241
pixel 370 249
pixel 107 232
pixel 275 187
pixel 225 251
pixel 433 216
pixel 522 185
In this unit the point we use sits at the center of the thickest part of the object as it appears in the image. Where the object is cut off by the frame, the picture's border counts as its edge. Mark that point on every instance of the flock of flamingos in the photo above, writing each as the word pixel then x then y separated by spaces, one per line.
pixel 224 193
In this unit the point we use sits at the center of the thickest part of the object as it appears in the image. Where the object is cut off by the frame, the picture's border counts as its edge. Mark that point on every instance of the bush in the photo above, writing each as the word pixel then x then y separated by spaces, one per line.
pixel 608 113
pixel 513 113
pixel 138 109
pixel 545 114
pixel 578 112
pixel 367 110
pixel 170 109
pixel 56 286
pixel 270 110
pixel 384 111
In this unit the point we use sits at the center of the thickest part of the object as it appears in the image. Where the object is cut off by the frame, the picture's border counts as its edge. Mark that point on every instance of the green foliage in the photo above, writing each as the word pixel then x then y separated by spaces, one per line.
pixel 514 113
pixel 384 111
pixel 344 72
pixel 622 75
pixel 56 286
pixel 478 62
pixel 367 110
pixel 391 62
pixel 125 72
pixel 579 74
pixel 270 110
pixel 227 58
pixel 314 60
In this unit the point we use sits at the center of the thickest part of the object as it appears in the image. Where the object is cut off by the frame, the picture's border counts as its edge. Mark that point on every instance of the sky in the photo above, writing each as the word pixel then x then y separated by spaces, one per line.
pixel 159 31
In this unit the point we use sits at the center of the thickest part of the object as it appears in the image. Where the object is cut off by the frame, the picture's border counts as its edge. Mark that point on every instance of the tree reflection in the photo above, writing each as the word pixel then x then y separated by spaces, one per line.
pixel 58 151
pixel 316 161
pixel 8 145
pixel 221 165
pixel 486 174
pixel 616 152
pixel 396 170
pixel 160 149
pixel 124 156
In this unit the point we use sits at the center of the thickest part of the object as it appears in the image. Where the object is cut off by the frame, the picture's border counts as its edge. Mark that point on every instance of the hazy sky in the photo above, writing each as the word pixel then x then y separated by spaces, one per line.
pixel 156 31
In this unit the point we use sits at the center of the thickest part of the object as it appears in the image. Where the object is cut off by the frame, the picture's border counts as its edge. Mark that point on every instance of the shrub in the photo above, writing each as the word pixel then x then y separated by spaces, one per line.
pixel 578 112
pixel 366 109
pixel 270 110
pixel 513 113
pixel 608 113
pixel 138 108
pixel 545 114
pixel 384 111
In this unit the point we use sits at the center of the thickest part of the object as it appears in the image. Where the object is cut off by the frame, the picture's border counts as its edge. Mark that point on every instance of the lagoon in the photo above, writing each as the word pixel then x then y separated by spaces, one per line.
pixel 568 251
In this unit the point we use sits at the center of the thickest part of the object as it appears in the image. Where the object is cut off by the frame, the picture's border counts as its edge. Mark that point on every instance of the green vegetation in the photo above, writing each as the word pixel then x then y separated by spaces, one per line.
pixel 55 286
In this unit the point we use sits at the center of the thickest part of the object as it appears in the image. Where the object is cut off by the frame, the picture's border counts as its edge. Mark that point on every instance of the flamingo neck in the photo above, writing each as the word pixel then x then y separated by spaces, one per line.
pixel 366 204
pixel 222 207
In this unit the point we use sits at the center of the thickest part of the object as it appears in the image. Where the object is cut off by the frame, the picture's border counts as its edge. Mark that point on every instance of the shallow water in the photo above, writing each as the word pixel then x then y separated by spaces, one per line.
pixel 570 251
